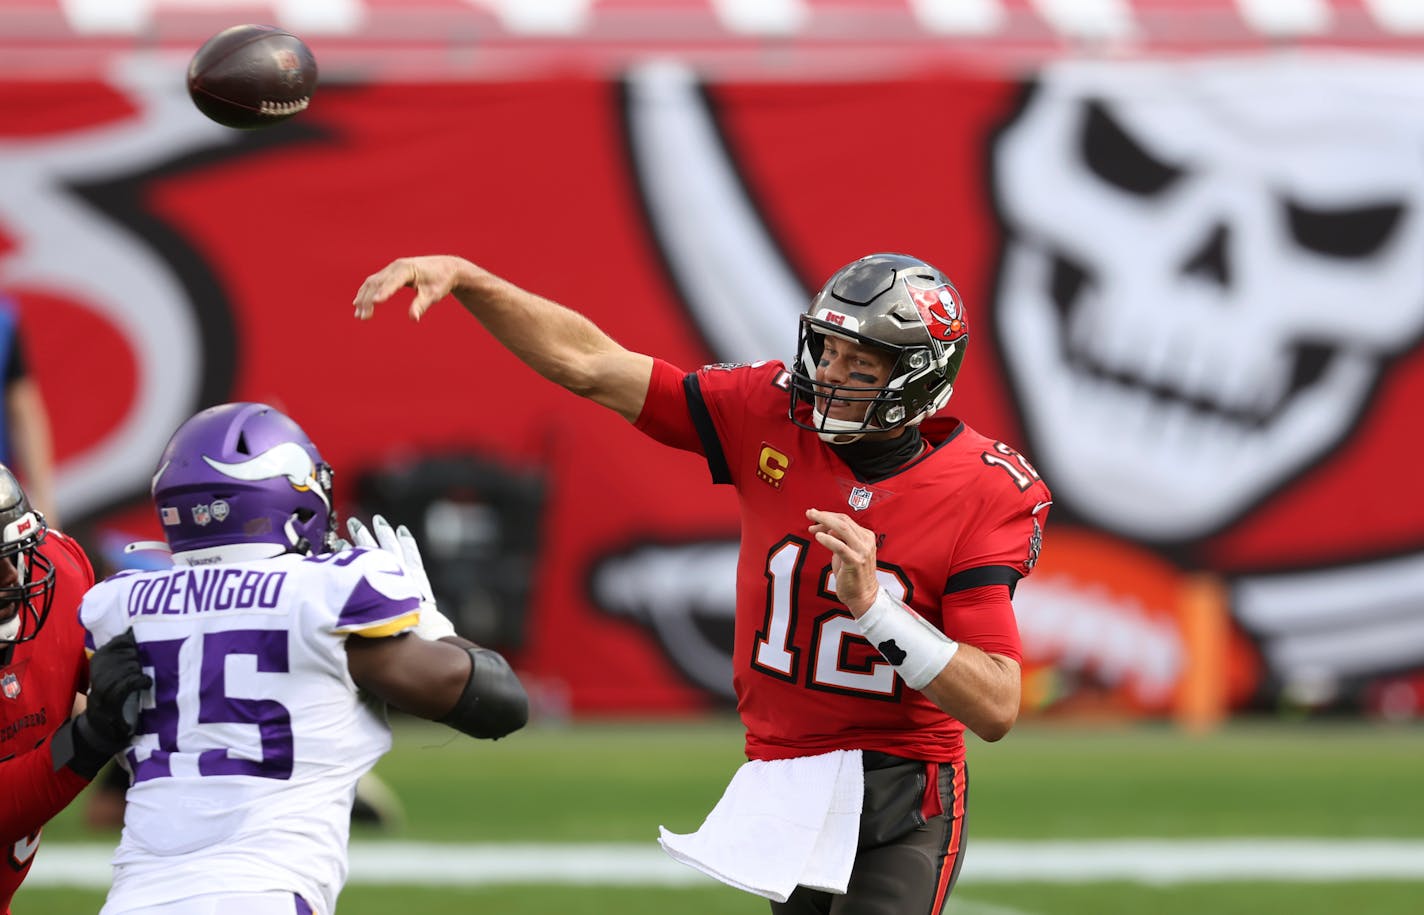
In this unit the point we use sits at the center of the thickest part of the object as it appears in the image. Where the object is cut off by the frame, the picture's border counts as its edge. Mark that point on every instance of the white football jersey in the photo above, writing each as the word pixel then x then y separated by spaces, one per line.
pixel 253 735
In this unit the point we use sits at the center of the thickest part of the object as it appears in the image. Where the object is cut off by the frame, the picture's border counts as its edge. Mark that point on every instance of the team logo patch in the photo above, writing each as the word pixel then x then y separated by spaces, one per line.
pixel 860 498
pixel 10 685
pixel 202 515
pixel 220 510
pixel 1035 545
pixel 771 466
pixel 943 316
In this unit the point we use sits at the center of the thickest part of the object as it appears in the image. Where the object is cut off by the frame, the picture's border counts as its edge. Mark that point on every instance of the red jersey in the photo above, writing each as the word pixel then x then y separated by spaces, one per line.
pixel 965 514
pixel 37 688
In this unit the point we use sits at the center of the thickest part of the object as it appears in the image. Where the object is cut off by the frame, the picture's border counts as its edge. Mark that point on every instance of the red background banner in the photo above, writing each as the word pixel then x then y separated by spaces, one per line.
pixel 268 236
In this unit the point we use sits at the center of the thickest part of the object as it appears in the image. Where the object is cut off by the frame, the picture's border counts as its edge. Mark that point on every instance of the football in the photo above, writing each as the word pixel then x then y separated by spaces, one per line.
pixel 252 76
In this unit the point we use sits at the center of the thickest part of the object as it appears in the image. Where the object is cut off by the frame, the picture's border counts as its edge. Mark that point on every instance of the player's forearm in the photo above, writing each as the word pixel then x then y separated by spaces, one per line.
pixel 451 680
pixel 979 689
pixel 560 344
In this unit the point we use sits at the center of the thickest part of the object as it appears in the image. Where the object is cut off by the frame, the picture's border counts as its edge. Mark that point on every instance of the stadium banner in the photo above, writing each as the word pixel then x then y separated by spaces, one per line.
pixel 1194 289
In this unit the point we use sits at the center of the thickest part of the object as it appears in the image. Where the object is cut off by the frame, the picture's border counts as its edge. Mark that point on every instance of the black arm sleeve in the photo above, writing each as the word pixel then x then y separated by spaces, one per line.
pixel 494 703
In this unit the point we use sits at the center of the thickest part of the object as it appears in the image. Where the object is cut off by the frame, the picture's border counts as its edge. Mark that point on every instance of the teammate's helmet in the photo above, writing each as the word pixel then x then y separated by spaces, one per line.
pixel 244 473
pixel 897 303
pixel 22 530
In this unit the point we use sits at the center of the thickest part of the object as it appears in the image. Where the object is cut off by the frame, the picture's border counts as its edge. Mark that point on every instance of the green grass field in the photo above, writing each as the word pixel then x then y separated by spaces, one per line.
pixel 602 783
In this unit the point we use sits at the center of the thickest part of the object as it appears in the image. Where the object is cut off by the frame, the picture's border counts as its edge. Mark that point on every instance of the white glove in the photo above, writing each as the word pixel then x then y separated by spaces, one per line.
pixel 401 544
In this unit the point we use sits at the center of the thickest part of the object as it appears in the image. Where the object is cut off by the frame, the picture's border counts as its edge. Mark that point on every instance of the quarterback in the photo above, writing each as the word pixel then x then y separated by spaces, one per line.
pixel 880 546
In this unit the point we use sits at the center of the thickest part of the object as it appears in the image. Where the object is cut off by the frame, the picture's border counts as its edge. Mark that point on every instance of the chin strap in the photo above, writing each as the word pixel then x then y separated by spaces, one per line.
pixel 300 545
pixel 838 431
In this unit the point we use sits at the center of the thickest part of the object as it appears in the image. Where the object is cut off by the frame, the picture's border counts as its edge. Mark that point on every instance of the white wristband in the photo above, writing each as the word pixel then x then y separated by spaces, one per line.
pixel 433 624
pixel 918 650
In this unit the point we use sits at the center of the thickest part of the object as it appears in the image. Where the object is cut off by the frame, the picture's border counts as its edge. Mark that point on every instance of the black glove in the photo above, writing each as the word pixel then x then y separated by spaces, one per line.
pixel 116 678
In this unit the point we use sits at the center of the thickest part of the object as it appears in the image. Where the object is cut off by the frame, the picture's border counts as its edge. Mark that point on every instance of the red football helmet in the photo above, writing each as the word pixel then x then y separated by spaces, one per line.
pixel 26 574
pixel 901 305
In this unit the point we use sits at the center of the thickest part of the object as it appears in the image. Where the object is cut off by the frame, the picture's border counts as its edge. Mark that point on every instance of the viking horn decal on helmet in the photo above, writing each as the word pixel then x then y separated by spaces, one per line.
pixel 288 459
pixel 153 483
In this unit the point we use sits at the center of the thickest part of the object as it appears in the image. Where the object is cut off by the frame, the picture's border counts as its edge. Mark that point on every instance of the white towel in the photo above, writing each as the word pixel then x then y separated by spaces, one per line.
pixel 781 823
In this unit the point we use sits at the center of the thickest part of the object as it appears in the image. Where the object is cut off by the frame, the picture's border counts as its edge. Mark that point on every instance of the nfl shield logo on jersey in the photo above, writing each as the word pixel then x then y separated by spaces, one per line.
pixel 11 685
pixel 860 498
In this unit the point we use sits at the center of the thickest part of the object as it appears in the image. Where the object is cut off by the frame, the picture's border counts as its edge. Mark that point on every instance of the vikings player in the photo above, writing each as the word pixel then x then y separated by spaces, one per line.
pixel 274 649
pixel 880 548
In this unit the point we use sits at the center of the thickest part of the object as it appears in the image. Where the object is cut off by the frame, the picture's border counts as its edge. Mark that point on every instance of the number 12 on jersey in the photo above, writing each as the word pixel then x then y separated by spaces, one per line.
pixel 776 655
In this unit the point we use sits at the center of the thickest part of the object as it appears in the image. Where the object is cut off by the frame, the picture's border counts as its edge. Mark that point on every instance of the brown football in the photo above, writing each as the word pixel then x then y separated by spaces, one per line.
pixel 252 76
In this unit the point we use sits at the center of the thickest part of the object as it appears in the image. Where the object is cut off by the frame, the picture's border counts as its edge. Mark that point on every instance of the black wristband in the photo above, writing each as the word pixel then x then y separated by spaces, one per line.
pixel 77 746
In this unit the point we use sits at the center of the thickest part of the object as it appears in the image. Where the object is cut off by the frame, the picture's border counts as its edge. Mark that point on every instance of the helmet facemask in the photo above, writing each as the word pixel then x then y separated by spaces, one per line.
pixel 884 407
pixel 32 592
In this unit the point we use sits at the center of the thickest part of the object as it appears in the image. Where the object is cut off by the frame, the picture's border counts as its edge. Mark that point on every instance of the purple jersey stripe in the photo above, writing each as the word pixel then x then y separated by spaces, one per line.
pixel 366 606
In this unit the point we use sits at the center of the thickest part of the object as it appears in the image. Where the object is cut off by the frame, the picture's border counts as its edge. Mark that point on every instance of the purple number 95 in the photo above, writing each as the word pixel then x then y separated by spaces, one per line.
pixel 215 706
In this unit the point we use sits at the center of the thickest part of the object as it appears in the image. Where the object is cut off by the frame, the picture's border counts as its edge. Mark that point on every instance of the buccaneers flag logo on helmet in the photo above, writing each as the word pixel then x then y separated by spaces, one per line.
pixel 943 317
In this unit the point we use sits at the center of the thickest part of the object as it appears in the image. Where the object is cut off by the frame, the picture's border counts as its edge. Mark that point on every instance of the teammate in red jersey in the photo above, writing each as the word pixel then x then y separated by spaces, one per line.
pixel 880 545
pixel 53 738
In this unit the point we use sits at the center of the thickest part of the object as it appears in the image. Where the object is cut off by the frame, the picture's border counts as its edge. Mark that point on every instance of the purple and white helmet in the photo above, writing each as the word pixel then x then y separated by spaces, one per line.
pixel 244 476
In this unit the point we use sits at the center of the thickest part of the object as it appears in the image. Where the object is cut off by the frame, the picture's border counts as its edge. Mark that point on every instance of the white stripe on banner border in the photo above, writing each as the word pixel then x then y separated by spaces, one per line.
pixel 1151 861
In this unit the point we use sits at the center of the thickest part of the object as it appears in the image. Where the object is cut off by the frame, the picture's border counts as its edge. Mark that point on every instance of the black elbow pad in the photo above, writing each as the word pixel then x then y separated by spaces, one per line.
pixel 494 703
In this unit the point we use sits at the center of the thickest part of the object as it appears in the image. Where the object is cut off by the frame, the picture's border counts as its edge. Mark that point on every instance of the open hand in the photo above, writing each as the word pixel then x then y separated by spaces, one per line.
pixel 433 277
